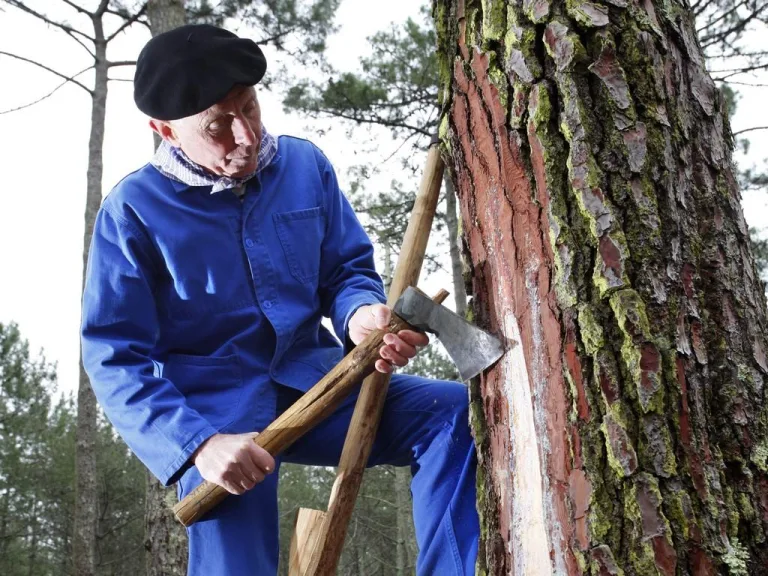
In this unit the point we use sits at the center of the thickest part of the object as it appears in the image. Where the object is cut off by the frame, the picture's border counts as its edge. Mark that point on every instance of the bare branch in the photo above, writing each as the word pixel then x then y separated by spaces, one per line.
pixel 753 84
pixel 707 41
pixel 120 80
pixel 101 9
pixel 51 70
pixel 121 63
pixel 51 93
pixel 750 130
pixel 721 17
pixel 128 22
pixel 68 29
pixel 78 8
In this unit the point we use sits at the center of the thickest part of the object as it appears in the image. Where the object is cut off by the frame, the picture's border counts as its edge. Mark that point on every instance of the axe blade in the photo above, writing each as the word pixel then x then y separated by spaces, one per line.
pixel 471 349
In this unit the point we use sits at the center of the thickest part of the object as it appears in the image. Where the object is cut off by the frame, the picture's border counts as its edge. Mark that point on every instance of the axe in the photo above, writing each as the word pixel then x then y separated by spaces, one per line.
pixel 471 349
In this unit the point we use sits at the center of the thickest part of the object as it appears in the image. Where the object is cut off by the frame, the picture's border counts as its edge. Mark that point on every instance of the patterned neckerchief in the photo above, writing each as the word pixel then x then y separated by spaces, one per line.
pixel 176 165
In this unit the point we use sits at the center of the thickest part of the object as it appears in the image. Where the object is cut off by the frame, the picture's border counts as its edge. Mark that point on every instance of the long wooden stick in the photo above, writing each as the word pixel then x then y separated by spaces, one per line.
pixel 306 413
pixel 365 420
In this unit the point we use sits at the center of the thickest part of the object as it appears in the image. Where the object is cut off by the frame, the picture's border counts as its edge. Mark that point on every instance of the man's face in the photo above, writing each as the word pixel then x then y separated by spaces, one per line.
pixel 225 138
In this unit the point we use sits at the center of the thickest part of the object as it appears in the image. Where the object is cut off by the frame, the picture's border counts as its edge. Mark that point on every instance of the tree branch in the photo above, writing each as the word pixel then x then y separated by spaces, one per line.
pixel 68 29
pixel 103 5
pixel 51 93
pixel 51 70
pixel 128 22
pixel 121 63
pixel 707 41
pixel 78 8
pixel 722 17
pixel 750 130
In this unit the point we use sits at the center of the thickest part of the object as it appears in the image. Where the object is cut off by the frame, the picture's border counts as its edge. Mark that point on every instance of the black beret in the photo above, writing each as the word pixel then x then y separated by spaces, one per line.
pixel 186 70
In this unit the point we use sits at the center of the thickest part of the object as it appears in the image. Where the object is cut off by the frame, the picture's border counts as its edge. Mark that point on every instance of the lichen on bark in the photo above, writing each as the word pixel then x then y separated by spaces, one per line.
pixel 591 155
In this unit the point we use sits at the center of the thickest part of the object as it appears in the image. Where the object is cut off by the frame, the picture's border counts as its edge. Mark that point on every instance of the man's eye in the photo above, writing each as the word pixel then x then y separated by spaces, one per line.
pixel 215 127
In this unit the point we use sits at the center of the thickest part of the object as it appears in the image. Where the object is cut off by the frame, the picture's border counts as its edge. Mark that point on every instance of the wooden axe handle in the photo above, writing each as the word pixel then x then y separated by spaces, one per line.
pixel 314 406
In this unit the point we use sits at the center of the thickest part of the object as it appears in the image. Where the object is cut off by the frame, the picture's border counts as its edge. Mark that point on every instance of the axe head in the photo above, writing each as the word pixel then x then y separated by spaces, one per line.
pixel 471 349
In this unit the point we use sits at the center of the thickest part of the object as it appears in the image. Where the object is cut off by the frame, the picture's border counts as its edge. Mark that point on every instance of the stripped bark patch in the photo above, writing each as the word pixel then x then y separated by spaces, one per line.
pixel 581 493
pixel 528 545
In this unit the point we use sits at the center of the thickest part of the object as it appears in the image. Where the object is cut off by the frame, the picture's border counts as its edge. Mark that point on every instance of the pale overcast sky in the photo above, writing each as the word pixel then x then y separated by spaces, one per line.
pixel 43 158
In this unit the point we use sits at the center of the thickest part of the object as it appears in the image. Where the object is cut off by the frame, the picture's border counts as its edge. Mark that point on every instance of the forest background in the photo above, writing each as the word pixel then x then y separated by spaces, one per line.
pixel 43 156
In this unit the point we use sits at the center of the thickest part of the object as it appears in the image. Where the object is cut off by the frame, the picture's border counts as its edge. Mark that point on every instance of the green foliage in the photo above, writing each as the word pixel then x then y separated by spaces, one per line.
pixel 759 251
pixel 396 86
pixel 299 28
pixel 37 455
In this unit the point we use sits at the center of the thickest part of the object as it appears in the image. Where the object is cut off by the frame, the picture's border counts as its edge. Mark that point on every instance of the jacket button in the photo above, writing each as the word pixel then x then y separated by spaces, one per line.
pixel 267 303
pixel 249 242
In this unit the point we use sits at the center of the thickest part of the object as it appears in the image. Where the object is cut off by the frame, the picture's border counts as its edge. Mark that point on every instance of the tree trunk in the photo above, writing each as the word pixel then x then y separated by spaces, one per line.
pixel 165 538
pixel 457 268
pixel 165 15
pixel 86 501
pixel 406 555
pixel 625 431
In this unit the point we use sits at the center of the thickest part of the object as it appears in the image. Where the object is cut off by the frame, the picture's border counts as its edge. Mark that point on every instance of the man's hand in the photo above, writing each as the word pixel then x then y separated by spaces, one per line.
pixel 233 461
pixel 398 348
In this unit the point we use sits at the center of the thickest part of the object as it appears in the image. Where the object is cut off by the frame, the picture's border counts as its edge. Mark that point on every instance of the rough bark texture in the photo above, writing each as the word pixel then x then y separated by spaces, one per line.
pixel 86 499
pixel 165 15
pixel 166 539
pixel 626 429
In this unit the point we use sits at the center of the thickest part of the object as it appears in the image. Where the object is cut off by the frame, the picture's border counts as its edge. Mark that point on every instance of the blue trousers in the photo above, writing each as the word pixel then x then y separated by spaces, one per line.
pixel 424 425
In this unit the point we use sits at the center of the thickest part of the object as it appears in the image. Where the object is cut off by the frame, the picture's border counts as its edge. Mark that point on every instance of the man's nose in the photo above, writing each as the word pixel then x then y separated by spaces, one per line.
pixel 241 130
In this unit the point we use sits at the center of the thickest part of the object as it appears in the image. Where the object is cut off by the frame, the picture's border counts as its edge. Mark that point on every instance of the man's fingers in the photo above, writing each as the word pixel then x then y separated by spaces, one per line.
pixel 381 315
pixel 413 338
pixel 383 366
pixel 391 355
pixel 261 460
pixel 401 346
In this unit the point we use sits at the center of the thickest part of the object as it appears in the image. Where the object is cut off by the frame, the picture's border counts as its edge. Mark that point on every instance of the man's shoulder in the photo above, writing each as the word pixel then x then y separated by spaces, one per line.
pixel 140 186
pixel 295 149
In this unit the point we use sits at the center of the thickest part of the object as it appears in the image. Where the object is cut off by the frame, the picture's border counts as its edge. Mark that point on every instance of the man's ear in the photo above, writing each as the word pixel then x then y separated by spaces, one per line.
pixel 165 131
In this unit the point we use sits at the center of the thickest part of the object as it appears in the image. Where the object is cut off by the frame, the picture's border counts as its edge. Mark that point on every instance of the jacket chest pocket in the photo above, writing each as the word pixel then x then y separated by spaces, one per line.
pixel 301 235
pixel 211 385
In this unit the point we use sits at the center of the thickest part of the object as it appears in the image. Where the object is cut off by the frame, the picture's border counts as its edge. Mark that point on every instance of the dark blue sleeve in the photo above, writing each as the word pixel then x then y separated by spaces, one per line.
pixel 119 332
pixel 348 277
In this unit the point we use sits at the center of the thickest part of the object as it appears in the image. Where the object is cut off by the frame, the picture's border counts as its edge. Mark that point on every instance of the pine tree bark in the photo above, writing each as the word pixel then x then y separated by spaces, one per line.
pixel 86 494
pixel 165 539
pixel 625 431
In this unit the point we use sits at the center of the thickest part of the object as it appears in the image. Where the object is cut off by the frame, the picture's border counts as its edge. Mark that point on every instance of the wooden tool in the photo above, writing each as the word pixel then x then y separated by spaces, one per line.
pixel 318 403
pixel 326 547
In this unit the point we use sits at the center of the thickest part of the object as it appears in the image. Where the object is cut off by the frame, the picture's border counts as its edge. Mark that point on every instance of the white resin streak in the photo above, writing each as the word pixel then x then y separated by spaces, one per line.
pixel 529 545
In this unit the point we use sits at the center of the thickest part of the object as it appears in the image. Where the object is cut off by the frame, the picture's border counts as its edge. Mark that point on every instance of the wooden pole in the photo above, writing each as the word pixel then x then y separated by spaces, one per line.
pixel 365 419
pixel 306 413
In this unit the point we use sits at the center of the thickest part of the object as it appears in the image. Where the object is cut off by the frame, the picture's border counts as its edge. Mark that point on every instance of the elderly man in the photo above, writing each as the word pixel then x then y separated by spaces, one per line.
pixel 210 270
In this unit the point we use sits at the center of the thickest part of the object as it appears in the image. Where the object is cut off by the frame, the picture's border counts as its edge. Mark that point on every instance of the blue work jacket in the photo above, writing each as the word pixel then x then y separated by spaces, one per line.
pixel 196 304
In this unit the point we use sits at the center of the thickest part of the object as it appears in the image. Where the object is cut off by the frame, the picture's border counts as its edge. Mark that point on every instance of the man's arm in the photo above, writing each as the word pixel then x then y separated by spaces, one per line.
pixel 348 277
pixel 119 331
pixel 351 291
